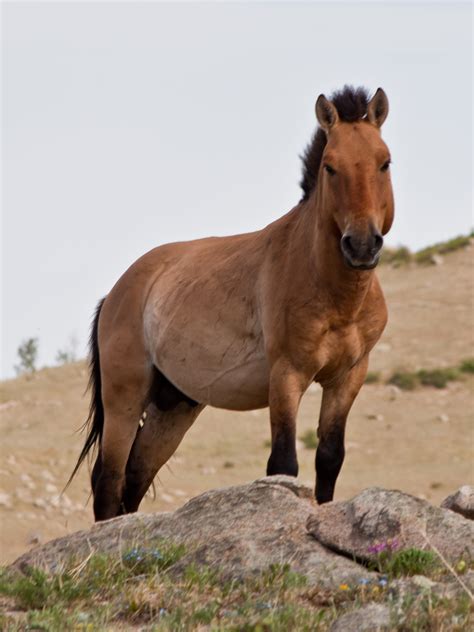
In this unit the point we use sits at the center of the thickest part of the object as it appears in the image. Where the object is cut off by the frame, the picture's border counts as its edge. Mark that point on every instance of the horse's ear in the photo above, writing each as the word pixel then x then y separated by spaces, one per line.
pixel 326 113
pixel 377 109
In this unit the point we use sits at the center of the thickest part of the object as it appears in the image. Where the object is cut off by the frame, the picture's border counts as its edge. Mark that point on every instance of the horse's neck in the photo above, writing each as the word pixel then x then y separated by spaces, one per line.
pixel 329 275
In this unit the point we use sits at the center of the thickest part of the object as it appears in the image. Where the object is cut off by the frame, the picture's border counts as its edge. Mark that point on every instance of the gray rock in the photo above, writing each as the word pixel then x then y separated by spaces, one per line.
pixel 5 500
pixel 423 582
pixel 369 618
pixel 462 502
pixel 239 530
pixel 436 260
pixel 378 518
pixel 448 588
pixel 35 537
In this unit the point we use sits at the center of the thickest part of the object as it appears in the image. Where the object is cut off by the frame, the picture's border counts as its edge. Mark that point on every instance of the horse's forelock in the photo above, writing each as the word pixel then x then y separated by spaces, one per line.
pixel 351 104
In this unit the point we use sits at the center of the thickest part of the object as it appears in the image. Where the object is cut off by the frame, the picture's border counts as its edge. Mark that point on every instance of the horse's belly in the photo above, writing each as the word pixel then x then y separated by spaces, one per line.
pixel 236 383
pixel 212 367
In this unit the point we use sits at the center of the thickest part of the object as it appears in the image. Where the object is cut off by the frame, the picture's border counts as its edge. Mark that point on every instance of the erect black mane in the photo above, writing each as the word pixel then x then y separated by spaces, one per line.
pixel 351 104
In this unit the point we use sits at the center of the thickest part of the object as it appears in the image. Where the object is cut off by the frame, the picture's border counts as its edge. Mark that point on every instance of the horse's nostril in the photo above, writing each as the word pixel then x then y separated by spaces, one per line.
pixel 378 242
pixel 347 245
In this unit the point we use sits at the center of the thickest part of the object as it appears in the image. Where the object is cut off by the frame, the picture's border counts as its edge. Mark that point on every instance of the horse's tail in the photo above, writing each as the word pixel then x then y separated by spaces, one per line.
pixel 95 419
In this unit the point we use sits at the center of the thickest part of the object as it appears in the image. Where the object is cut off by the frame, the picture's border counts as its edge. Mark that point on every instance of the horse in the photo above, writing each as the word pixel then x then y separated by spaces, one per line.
pixel 249 321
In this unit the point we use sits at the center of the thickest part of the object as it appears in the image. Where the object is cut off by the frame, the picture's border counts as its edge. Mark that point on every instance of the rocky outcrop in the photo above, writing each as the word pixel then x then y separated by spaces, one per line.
pixel 242 530
pixel 461 502
pixel 378 520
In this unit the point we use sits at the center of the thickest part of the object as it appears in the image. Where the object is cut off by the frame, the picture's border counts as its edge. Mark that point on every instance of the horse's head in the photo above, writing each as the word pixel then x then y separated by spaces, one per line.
pixel 354 180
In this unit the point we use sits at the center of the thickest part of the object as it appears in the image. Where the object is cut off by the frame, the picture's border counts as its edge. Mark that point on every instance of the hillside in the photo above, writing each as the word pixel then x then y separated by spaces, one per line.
pixel 418 441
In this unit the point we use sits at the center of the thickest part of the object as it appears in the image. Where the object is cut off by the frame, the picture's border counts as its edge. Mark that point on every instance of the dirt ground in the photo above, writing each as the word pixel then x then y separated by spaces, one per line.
pixel 420 442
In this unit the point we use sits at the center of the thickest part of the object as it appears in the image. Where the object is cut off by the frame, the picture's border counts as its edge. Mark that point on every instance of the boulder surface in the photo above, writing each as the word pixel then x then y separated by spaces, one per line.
pixel 462 502
pixel 376 520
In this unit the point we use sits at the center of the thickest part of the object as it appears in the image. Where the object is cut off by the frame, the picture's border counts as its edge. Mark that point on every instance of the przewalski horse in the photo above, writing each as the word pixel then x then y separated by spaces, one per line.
pixel 249 321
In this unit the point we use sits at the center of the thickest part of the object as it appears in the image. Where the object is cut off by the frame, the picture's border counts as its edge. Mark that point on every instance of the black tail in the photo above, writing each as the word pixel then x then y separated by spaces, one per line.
pixel 95 420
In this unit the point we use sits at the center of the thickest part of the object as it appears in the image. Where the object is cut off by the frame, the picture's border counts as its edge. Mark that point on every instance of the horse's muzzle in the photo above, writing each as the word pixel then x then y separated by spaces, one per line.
pixel 361 252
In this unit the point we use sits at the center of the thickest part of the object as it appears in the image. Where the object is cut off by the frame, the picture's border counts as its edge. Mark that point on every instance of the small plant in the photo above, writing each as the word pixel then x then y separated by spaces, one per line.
pixel 146 560
pixel 394 562
pixel 372 377
pixel 405 380
pixel 282 576
pixel 467 366
pixel 37 590
pixel 411 562
pixel 309 439
pixel 396 256
pixel 200 577
pixel 438 378
pixel 69 353
pixel 28 354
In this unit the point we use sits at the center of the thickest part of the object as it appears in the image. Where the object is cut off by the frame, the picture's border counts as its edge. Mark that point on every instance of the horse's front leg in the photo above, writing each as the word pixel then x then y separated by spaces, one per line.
pixel 336 404
pixel 286 388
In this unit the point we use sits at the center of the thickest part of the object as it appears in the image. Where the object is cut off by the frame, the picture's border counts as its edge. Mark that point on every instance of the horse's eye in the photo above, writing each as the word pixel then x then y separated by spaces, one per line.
pixel 385 166
pixel 330 170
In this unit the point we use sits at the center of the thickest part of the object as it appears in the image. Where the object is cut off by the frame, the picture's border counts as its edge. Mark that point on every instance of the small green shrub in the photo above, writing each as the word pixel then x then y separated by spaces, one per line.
pixel 28 354
pixel 142 560
pixel 309 439
pixel 438 378
pixel 410 562
pixel 200 576
pixel 396 256
pixel 372 377
pixel 58 619
pixel 395 562
pixel 38 590
pixel 405 380
pixel 282 576
pixel 467 366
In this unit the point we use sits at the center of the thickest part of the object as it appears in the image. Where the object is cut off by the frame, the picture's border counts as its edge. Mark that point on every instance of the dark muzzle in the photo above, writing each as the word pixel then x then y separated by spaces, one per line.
pixel 362 252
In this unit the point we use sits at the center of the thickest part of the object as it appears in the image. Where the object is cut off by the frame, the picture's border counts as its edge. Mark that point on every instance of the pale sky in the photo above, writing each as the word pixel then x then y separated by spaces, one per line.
pixel 127 125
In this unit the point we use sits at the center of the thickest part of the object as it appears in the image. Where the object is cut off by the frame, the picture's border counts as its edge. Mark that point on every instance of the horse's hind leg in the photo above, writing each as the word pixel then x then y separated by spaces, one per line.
pixel 155 443
pixel 124 394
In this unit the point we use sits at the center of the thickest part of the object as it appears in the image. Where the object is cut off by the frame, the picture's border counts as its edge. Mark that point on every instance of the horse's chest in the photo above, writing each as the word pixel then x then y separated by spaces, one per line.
pixel 338 350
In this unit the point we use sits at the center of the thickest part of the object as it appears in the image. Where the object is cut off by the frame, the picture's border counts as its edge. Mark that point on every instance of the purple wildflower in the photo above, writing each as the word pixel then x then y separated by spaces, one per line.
pixel 377 548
